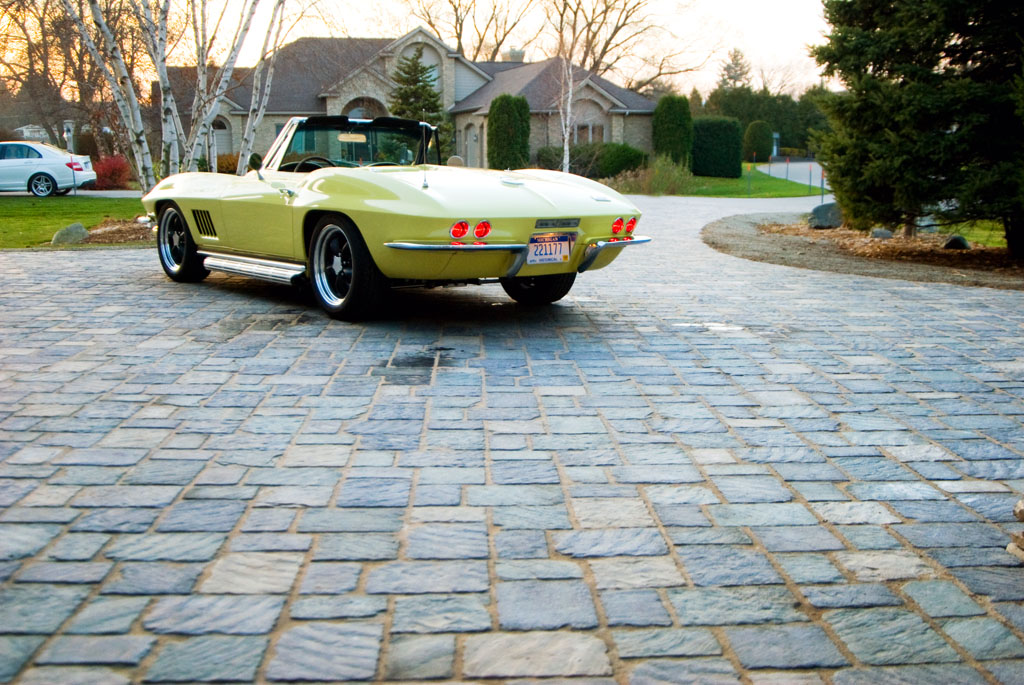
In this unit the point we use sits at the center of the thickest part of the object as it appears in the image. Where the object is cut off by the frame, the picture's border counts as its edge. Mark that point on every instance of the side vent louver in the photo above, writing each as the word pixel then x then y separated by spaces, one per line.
pixel 204 224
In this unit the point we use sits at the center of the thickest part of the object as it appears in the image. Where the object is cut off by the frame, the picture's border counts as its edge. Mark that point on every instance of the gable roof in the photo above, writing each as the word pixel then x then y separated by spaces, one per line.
pixel 540 84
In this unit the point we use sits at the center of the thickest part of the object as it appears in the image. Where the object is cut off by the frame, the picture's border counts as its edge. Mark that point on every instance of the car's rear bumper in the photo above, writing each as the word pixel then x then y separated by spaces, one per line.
pixel 589 257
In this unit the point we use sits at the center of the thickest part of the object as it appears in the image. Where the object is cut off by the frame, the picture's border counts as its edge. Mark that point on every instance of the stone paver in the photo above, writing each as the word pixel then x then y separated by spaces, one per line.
pixel 695 468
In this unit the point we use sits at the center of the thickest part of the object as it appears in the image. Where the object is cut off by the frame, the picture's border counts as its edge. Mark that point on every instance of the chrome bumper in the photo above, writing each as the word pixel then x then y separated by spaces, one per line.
pixel 590 252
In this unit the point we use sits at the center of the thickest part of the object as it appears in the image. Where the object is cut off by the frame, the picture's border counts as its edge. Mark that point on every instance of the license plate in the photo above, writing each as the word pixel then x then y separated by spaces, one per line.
pixel 550 248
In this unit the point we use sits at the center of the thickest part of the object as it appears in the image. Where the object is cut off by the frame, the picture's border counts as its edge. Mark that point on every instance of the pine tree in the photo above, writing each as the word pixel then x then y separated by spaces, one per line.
pixel 414 96
pixel 735 71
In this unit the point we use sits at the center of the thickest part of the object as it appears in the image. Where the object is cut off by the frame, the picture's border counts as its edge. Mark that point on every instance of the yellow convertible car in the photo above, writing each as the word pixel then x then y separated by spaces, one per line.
pixel 354 207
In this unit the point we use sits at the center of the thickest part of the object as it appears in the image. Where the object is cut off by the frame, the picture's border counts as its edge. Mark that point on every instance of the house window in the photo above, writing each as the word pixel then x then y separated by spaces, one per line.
pixel 589 133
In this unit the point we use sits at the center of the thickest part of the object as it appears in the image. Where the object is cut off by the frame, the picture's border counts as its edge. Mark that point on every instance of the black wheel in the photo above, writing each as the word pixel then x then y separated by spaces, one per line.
pixel 63 191
pixel 177 250
pixel 42 185
pixel 536 290
pixel 346 282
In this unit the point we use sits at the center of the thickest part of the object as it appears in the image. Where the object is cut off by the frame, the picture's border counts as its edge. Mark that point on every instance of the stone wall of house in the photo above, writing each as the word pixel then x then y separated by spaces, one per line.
pixel 636 131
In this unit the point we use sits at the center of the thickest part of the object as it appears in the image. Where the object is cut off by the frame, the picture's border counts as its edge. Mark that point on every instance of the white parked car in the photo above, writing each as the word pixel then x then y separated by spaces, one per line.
pixel 42 169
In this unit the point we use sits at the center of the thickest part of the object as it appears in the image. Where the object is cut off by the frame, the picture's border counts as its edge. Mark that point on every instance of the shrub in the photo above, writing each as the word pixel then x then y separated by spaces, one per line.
pixel 717 147
pixel 227 164
pixel 9 134
pixel 757 141
pixel 593 160
pixel 662 177
pixel 672 129
pixel 793 152
pixel 618 157
pixel 508 132
pixel 112 173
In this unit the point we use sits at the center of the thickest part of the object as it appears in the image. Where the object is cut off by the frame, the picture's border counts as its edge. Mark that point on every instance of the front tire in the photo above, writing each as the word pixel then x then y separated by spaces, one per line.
pixel 345 280
pixel 42 185
pixel 178 254
pixel 538 290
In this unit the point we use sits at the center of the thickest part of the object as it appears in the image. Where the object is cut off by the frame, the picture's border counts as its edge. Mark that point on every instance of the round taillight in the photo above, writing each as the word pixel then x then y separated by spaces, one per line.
pixel 483 229
pixel 459 229
pixel 631 225
pixel 617 225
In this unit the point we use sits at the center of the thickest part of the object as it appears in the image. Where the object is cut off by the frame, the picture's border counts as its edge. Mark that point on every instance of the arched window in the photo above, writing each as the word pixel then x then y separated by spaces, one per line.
pixel 364 108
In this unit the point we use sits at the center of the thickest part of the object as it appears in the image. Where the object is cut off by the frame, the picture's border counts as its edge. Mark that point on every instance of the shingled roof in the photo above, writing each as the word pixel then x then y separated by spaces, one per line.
pixel 304 69
pixel 540 84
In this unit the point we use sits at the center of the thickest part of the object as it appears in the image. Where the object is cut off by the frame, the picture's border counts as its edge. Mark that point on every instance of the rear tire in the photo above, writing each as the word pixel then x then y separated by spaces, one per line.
pixel 42 185
pixel 178 255
pixel 538 290
pixel 345 280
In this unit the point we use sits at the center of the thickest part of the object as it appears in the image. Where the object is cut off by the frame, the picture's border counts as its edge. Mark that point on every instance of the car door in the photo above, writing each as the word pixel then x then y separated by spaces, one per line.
pixel 19 163
pixel 257 215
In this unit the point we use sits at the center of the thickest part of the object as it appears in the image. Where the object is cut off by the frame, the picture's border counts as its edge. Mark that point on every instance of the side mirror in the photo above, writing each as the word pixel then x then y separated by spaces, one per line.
pixel 455 160
pixel 255 162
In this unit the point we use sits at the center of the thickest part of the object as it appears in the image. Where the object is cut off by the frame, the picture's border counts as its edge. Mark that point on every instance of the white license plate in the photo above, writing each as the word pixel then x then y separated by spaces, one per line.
pixel 550 248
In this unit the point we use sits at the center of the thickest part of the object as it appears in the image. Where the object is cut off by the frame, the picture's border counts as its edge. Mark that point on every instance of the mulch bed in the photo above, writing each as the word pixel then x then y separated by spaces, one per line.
pixel 119 232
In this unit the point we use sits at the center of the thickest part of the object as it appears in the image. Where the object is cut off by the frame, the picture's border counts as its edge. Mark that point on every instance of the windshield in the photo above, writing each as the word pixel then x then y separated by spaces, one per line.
pixel 324 142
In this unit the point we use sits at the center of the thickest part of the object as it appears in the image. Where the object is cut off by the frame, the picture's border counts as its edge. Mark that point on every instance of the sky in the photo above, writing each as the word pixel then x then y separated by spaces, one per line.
pixel 774 35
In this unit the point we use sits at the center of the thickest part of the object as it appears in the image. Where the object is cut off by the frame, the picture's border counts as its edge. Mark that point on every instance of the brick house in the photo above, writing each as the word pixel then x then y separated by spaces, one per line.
pixel 352 76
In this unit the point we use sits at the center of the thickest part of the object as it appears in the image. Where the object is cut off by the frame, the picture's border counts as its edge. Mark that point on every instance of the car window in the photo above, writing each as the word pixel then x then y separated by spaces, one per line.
pixel 19 152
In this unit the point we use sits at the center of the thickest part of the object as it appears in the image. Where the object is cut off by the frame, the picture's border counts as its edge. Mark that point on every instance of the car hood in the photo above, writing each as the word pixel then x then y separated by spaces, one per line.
pixel 484 192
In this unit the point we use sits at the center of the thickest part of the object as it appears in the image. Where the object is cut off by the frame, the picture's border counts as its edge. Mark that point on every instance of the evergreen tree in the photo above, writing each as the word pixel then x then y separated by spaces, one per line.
pixel 696 103
pixel 928 122
pixel 672 129
pixel 415 97
pixel 735 71
pixel 508 132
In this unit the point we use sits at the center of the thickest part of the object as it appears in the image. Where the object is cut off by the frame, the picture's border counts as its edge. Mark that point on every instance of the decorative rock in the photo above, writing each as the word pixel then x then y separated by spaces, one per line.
pixel 1018 510
pixel 70 235
pixel 956 242
pixel 827 215
pixel 881 233
pixel 535 654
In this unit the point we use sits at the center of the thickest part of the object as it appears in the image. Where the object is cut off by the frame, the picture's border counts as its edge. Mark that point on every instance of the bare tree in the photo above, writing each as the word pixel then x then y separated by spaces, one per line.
pixel 569 21
pixel 479 29
pixel 210 88
pixel 260 87
pixel 44 60
pixel 110 60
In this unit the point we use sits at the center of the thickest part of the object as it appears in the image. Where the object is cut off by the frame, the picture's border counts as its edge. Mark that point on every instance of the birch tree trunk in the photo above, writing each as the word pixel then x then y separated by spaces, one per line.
pixel 116 74
pixel 206 104
pixel 261 90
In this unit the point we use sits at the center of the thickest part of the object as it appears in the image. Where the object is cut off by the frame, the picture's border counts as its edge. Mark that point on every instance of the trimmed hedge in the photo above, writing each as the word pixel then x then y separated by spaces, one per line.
pixel 508 132
pixel 717 147
pixel 672 129
pixel 757 141
pixel 593 160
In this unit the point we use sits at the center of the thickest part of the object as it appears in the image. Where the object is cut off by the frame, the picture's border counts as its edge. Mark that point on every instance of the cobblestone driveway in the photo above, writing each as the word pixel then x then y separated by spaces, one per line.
pixel 696 468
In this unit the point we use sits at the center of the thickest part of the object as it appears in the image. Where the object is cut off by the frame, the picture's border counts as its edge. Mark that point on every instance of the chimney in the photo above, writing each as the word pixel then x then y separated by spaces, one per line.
pixel 514 55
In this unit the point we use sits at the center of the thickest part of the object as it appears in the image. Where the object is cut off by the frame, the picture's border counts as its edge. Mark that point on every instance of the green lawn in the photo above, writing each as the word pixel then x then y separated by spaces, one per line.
pixel 32 221
pixel 988 233
pixel 751 184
